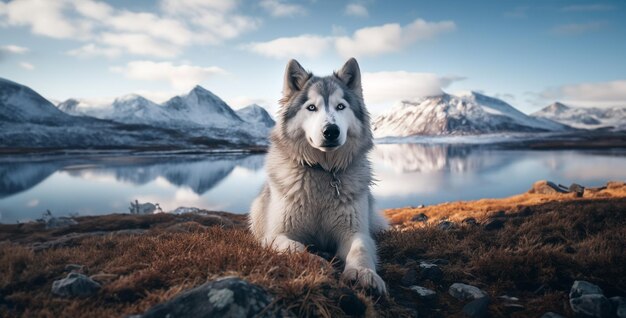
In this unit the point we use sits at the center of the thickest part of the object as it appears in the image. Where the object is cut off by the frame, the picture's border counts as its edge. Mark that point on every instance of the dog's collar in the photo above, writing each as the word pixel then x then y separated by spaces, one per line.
pixel 335 182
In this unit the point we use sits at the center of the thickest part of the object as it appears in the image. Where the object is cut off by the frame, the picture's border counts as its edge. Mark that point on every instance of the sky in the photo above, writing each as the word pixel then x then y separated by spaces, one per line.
pixel 528 53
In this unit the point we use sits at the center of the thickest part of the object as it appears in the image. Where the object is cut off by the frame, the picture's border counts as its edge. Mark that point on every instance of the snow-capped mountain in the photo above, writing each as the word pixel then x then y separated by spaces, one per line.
pixel 257 115
pixel 585 117
pixel 202 107
pixel 139 110
pixel 19 103
pixel 468 114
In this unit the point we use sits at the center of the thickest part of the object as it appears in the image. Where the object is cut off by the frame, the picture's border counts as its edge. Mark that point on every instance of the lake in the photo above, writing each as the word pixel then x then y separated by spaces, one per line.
pixel 407 175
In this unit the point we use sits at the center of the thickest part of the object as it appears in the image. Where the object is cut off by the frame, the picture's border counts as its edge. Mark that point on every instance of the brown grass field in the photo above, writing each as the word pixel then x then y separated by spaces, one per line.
pixel 546 242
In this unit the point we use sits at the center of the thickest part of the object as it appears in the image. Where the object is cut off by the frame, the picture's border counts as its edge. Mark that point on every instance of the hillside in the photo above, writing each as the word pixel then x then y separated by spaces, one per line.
pixel 524 252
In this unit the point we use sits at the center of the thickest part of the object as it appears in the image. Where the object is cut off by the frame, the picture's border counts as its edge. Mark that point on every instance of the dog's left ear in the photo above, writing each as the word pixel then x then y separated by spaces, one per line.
pixel 350 74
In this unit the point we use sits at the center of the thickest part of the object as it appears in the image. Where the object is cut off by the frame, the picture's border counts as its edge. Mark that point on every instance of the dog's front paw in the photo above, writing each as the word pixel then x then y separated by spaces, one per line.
pixel 285 245
pixel 366 278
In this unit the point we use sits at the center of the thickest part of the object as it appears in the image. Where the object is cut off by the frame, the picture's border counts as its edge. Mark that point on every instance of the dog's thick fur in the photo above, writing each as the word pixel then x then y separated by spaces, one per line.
pixel 298 206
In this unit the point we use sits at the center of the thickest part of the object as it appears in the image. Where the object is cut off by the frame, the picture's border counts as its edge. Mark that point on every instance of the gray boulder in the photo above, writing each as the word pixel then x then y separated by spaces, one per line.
pixel 75 285
pixel 224 297
pixel 581 287
pixel 431 272
pixel 420 218
pixel 591 305
pixel 464 291
pixel 424 293
pixel 446 225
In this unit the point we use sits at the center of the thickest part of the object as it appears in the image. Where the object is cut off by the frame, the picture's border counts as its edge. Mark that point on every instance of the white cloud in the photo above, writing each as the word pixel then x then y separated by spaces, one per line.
pixel 46 18
pixel 600 94
pixel 15 49
pixel 180 77
pixel 140 44
pixel 179 23
pixel 577 28
pixel 381 89
pixel 92 50
pixel 368 41
pixel 27 66
pixel 292 47
pixel 356 10
pixel 372 41
pixel 279 8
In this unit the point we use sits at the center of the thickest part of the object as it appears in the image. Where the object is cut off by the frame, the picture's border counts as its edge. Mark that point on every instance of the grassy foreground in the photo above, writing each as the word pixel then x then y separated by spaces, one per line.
pixel 545 242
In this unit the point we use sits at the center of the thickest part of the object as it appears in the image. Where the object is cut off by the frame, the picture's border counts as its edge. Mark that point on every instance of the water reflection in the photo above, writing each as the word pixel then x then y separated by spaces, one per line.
pixel 407 174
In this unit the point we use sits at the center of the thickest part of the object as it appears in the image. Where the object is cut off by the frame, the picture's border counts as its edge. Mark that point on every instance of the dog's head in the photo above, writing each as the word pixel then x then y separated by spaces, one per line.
pixel 326 111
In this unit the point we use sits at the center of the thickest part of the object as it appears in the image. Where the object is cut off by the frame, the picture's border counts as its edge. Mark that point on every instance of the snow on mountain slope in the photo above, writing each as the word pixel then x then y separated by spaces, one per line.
pixel 202 107
pixel 445 114
pixel 19 103
pixel 583 117
pixel 139 110
pixel 257 115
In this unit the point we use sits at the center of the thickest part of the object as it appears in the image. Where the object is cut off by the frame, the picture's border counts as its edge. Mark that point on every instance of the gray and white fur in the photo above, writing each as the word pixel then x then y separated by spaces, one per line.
pixel 318 187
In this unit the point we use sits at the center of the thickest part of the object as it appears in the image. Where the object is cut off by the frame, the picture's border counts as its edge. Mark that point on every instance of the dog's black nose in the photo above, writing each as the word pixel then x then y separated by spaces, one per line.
pixel 331 132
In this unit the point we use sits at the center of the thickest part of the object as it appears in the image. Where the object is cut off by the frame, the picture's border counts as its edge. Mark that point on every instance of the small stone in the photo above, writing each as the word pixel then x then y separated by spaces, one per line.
pixel 581 287
pixel 470 221
pixel 445 225
pixel 591 305
pixel 409 278
pixel 463 291
pixel 477 308
pixel 545 187
pixel 619 306
pixel 577 188
pixel 508 298
pixel 421 206
pixel 75 285
pixel 424 293
pixel 494 224
pixel 550 314
pixel 430 272
pixel 419 218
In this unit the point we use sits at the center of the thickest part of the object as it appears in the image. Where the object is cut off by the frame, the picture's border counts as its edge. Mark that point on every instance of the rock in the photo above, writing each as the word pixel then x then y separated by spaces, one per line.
pixel 224 297
pixel 550 314
pixel 431 272
pixel 591 305
pixel 445 225
pixel 409 278
pixel 144 208
pixel 470 221
pixel 74 268
pixel 508 298
pixel 75 285
pixel 581 287
pixel 493 224
pixel 182 209
pixel 419 218
pixel 577 188
pixel 424 293
pixel 464 291
pixel 545 187
pixel 619 306
pixel 477 307
pixel 52 222
pixel 421 206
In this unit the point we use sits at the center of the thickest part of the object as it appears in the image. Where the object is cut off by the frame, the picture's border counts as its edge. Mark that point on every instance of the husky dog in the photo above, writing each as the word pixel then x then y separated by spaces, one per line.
pixel 318 188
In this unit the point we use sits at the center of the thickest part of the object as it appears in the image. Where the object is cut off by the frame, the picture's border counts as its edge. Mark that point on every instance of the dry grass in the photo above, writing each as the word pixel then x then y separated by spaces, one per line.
pixel 546 243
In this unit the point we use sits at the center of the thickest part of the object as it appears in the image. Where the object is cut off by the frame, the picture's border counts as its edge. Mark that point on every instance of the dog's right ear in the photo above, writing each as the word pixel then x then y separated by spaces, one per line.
pixel 295 78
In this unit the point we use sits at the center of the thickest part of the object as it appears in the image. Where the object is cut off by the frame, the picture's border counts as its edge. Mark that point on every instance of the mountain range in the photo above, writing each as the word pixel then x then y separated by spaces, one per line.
pixel 198 118
pixel 467 114
pixel 585 118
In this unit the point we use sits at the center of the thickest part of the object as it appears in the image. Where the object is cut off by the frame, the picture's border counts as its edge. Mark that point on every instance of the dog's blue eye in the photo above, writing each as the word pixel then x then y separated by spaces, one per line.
pixel 341 107
pixel 311 108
